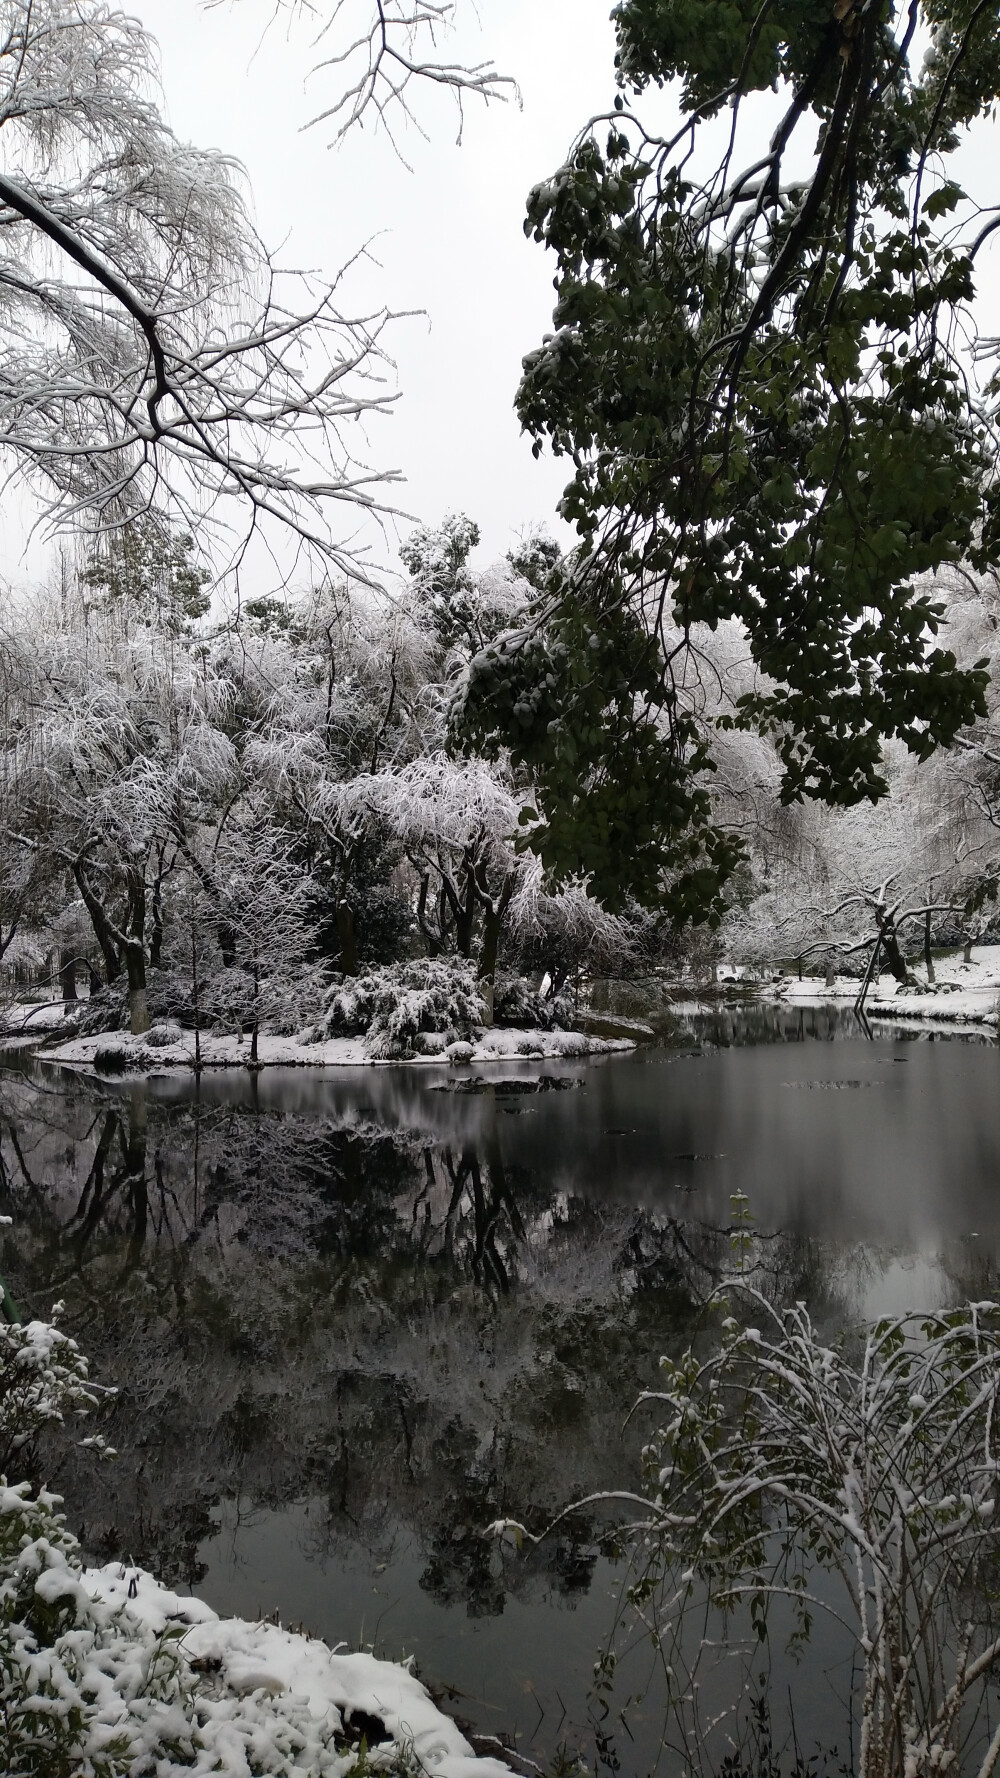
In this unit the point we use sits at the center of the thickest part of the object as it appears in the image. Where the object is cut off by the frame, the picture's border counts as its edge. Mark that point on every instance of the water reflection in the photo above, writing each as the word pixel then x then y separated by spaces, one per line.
pixel 356 1316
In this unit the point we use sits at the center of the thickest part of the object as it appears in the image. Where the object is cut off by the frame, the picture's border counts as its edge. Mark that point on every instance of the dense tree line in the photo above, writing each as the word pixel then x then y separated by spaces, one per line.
pixel 224 813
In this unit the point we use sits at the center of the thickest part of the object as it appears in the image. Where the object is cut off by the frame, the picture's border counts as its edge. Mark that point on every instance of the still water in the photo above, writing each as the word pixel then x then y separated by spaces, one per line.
pixel 354 1316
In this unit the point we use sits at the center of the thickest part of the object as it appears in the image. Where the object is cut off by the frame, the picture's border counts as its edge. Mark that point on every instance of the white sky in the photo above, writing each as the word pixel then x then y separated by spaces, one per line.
pixel 450 238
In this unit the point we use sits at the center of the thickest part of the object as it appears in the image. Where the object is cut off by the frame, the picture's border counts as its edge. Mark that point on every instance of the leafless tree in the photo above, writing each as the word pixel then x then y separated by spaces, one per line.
pixel 380 50
pixel 152 354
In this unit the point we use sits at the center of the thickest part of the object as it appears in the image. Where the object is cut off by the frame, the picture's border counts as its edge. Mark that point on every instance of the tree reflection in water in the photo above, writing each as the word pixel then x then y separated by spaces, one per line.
pixel 416 1332
pixel 369 1316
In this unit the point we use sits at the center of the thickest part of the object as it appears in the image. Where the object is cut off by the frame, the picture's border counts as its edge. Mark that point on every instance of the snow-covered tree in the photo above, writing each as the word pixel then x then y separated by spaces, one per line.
pixel 554 932
pixel 265 903
pixel 113 756
pixel 153 356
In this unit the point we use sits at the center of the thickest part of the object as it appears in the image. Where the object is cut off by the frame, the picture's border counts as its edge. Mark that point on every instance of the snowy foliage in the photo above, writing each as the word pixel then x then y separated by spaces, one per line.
pixel 43 1379
pixel 556 931
pixel 90 1689
pixel 516 1003
pixel 873 1458
pixel 395 1005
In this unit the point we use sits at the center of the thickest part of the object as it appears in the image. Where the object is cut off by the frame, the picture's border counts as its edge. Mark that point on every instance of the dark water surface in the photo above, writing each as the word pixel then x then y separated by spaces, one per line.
pixel 354 1316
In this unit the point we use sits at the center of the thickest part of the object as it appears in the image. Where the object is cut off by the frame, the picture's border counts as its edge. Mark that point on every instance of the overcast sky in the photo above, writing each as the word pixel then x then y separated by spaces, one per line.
pixel 448 235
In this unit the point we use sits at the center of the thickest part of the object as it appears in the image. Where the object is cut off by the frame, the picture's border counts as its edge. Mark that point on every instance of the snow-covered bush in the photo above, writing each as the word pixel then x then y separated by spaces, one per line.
pixel 392 1005
pixel 90 1687
pixel 874 1459
pixel 113 1057
pixel 43 1379
pixel 515 1002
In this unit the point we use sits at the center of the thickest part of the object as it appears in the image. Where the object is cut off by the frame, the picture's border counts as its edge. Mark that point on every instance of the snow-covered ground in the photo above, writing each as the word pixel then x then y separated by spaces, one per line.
pixel 962 993
pixel 118 1049
pixel 276 1663
pixel 25 1021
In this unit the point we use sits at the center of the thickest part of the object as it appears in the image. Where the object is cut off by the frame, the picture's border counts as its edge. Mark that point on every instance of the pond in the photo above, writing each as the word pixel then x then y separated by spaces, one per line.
pixel 354 1316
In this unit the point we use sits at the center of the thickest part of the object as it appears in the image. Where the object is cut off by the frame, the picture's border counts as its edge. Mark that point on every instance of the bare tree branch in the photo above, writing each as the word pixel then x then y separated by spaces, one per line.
pixel 152 356
pixel 393 49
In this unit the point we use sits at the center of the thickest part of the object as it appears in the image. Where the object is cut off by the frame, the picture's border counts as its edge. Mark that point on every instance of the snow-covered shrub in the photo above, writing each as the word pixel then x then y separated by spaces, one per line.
pixel 162 1036
pixel 106 1010
pixel 874 1459
pixel 114 1058
pixel 43 1379
pixel 515 1002
pixel 392 1005
pixel 91 1688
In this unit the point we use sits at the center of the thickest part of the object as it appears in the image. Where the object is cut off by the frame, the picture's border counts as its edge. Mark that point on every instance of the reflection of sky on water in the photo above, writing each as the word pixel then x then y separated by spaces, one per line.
pixel 914 1283
pixel 891 1146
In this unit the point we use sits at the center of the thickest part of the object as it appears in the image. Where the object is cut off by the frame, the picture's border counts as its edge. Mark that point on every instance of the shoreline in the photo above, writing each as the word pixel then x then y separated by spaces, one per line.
pixel 962 994
pixel 119 1053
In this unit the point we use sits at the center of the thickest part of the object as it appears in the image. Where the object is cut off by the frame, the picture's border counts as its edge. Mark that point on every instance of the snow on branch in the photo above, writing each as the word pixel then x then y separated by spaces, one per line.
pixel 777 1457
pixel 396 46
pixel 152 356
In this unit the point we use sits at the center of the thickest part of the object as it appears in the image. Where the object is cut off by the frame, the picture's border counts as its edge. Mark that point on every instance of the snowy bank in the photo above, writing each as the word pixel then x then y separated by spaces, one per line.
pixel 162 1049
pixel 261 1662
pixel 106 1674
pixel 961 994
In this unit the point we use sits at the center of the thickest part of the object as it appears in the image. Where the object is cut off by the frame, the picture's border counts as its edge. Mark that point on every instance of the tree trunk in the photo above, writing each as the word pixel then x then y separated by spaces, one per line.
pixel 465 916
pixel 870 975
pixel 138 1004
pixel 347 938
pixel 493 918
pixel 99 921
pixel 135 954
pixel 255 1030
pixel 893 954
pixel 430 938
pixel 928 958
pixel 967 952
pixel 492 923
pixel 196 1003
pixel 67 974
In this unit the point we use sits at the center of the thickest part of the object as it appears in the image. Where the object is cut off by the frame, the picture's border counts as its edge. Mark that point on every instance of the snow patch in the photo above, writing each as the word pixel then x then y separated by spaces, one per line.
pixel 265 1658
pixel 961 994
pixel 135 1054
